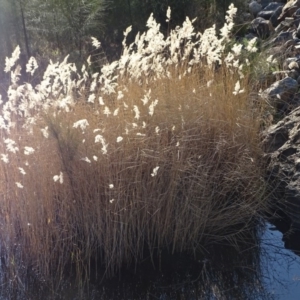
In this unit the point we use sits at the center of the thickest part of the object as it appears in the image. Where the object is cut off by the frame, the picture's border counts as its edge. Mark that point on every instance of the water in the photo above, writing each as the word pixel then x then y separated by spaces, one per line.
pixel 281 266
pixel 259 268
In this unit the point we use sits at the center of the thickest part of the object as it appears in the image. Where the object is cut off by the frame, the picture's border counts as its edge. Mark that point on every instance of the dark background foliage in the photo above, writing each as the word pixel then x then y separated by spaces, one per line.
pixel 55 28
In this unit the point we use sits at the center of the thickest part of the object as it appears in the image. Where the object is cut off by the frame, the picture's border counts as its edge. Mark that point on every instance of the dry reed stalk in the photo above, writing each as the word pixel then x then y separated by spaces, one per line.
pixel 166 158
pixel 208 181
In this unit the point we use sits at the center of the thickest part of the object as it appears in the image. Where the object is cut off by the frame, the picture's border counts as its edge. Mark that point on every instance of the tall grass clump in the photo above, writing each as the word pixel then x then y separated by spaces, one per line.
pixel 160 149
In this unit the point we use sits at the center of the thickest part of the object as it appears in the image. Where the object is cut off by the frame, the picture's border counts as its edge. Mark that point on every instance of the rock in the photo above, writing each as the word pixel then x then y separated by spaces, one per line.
pixel 282 140
pixel 262 27
pixel 290 60
pixel 269 10
pixel 282 38
pixel 276 52
pixel 282 145
pixel 298 31
pixel 280 93
pixel 296 101
pixel 289 9
pixel 297 13
pixel 275 137
pixel 296 22
pixel 281 27
pixel 294 73
pixel 279 75
pixel 291 202
pixel 296 40
pixel 246 17
pixel 293 65
pixel 254 8
pixel 289 43
pixel 288 22
pixel 265 3
pixel 274 17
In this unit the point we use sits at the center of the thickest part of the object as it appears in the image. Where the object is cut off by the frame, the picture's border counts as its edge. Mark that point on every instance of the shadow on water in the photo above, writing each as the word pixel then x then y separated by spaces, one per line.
pixel 280 258
pixel 290 236
pixel 257 268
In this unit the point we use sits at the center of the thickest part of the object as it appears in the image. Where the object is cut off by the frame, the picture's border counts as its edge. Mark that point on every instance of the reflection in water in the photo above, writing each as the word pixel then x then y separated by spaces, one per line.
pixel 281 266
pixel 252 269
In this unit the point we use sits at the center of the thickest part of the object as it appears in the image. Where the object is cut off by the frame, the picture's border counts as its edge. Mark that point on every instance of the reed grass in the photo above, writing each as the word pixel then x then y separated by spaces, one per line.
pixel 167 158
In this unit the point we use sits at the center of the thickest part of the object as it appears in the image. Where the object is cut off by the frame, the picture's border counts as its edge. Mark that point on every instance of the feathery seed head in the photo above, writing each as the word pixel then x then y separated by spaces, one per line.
pixel 19 185
pixel 4 158
pixel 31 66
pixel 154 172
pixel 10 62
pixel 95 43
pixel 81 123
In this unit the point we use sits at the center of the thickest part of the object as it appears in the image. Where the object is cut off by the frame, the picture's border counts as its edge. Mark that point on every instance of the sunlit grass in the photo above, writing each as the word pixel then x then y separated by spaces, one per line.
pixel 159 150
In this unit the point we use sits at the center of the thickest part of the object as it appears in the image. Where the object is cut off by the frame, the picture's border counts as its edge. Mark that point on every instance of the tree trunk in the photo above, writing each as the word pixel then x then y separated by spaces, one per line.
pixel 25 31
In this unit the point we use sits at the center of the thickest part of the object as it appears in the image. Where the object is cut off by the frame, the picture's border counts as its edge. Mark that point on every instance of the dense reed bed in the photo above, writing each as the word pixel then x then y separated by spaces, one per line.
pixel 160 149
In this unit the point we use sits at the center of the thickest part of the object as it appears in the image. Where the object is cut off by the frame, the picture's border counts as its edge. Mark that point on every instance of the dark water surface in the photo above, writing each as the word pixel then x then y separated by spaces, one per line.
pixel 259 268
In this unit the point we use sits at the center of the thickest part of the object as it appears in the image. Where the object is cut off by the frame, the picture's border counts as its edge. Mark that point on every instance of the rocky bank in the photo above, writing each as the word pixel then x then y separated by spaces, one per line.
pixel 277 25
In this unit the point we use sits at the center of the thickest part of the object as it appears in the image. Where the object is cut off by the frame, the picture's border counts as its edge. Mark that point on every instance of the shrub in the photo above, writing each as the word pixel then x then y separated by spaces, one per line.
pixel 159 150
